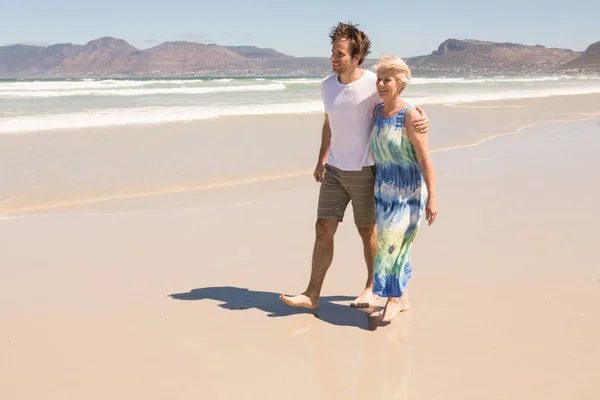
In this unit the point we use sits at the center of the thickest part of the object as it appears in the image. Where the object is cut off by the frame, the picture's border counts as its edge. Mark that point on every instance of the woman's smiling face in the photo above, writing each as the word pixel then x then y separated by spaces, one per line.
pixel 387 85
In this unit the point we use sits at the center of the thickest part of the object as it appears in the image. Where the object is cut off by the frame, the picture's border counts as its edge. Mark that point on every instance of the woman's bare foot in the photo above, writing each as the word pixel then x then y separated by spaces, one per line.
pixel 366 299
pixel 394 306
pixel 300 300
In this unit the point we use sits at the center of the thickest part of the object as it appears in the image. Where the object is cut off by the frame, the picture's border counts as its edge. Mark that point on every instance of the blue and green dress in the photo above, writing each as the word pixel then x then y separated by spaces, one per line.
pixel 400 197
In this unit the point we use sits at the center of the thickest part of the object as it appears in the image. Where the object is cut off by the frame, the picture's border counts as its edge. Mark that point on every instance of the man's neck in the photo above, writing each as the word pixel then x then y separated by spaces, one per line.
pixel 351 76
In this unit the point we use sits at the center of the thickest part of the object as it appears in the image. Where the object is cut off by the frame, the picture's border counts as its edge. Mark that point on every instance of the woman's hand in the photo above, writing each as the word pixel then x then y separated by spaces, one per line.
pixel 430 210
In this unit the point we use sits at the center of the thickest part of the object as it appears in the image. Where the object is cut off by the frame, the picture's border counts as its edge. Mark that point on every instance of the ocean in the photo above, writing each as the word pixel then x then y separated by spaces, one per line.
pixel 42 105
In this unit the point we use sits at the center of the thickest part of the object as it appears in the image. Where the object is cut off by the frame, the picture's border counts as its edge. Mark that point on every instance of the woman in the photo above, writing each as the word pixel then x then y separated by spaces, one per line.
pixel 404 185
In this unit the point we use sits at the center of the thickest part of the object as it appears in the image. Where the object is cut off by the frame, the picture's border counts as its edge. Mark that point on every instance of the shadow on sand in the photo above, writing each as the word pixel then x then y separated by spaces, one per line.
pixel 234 298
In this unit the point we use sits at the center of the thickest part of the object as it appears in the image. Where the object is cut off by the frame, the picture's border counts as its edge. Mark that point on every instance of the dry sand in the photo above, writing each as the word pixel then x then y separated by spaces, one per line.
pixel 175 296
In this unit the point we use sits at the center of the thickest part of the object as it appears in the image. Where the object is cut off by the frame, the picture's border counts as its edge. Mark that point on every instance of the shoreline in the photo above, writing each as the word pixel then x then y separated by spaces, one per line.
pixel 518 130
pixel 314 105
pixel 484 118
pixel 80 205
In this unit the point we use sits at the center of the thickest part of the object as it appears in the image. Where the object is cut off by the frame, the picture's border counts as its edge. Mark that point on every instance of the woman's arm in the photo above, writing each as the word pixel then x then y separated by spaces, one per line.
pixel 420 142
pixel 421 123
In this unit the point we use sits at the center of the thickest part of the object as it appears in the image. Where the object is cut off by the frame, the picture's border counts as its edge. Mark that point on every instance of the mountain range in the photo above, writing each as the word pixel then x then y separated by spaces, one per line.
pixel 111 57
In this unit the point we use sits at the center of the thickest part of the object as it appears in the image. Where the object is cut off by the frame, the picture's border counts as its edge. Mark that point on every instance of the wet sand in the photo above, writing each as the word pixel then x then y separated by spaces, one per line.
pixel 48 170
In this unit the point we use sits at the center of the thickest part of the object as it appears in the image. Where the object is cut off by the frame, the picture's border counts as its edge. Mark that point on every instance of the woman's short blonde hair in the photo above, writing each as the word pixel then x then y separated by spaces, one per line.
pixel 396 65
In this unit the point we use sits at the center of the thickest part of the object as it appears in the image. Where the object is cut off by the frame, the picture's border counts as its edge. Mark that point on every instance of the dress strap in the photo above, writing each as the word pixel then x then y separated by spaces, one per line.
pixel 401 115
pixel 378 110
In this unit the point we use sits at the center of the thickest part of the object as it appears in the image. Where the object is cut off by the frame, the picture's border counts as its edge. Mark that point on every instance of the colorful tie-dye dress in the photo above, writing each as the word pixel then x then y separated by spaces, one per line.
pixel 400 197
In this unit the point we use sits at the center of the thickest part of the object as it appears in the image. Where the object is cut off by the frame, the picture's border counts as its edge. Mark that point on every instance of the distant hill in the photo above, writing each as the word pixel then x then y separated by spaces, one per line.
pixel 589 59
pixel 256 52
pixel 187 56
pixel 105 54
pixel 475 55
pixel 111 57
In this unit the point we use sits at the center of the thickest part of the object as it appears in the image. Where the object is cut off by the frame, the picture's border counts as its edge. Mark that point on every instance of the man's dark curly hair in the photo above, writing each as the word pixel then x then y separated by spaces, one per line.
pixel 358 41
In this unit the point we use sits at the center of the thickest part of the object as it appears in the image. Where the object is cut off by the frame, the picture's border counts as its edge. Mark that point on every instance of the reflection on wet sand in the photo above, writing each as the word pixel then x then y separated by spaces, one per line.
pixel 347 353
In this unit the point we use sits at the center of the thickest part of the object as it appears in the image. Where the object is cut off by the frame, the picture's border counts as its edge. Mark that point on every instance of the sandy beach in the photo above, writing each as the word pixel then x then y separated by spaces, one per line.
pixel 146 262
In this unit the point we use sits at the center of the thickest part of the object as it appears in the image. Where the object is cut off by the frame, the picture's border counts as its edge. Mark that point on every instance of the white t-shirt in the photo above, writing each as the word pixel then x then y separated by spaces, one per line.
pixel 350 109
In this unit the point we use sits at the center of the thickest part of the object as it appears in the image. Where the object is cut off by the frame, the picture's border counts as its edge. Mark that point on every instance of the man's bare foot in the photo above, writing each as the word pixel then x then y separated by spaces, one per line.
pixel 366 299
pixel 393 307
pixel 300 300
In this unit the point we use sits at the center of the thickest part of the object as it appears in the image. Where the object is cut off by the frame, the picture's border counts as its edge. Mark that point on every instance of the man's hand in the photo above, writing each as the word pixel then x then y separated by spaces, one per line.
pixel 319 172
pixel 421 125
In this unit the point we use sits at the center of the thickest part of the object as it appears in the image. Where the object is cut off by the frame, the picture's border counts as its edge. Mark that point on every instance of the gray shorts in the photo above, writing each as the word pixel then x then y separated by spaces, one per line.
pixel 340 187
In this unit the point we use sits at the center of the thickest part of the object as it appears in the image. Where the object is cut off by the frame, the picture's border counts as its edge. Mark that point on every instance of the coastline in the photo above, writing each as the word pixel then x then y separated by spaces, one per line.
pixel 74 168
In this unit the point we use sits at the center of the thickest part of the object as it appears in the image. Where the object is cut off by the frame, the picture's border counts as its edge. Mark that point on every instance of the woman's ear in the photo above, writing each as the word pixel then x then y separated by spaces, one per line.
pixel 401 86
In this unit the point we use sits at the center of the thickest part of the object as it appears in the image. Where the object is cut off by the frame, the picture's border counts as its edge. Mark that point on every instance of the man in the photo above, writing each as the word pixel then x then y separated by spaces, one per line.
pixel 345 167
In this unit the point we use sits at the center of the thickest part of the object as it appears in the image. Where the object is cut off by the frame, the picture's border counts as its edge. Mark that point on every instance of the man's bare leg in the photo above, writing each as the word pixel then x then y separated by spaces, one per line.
pixel 368 235
pixel 321 260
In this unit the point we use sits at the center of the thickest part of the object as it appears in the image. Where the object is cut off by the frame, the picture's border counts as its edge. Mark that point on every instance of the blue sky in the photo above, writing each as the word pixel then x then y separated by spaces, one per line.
pixel 300 28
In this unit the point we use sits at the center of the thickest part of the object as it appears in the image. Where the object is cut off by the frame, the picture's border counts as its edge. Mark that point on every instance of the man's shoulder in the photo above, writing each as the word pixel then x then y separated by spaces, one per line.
pixel 329 80
pixel 330 87
pixel 370 75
